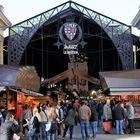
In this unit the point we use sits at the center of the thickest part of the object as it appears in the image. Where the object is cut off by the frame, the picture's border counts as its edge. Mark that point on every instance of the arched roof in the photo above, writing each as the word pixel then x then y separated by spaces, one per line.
pixel 120 33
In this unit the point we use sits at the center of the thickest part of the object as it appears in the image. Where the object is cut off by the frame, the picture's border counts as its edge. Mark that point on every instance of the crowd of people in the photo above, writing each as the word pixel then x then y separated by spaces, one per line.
pixel 51 121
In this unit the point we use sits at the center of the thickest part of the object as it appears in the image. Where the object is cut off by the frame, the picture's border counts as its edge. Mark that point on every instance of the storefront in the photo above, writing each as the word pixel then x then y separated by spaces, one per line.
pixel 124 85
pixel 17 85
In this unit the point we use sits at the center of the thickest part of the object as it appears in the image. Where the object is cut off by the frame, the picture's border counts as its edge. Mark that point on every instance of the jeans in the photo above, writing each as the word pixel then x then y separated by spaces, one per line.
pixel 119 126
pixel 66 129
pixel 51 135
pixel 85 129
pixel 131 126
pixel 35 137
pixel 100 120
pixel 43 131
pixel 94 127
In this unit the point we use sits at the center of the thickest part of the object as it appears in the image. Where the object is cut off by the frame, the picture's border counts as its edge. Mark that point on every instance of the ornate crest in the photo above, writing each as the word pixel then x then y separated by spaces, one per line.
pixel 70 33
pixel 70 30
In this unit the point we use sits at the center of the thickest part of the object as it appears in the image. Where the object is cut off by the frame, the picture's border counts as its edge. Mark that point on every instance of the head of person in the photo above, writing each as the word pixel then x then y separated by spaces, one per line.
pixel 85 102
pixel 26 106
pixel 122 104
pixel 43 106
pixel 108 101
pixel 128 103
pixel 10 116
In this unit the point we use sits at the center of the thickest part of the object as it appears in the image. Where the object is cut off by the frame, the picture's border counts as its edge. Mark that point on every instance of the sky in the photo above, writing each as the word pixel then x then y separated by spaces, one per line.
pixel 121 10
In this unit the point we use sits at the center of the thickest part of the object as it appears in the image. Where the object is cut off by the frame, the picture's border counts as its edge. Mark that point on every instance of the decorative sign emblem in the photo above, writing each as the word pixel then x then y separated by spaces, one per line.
pixel 70 33
pixel 70 30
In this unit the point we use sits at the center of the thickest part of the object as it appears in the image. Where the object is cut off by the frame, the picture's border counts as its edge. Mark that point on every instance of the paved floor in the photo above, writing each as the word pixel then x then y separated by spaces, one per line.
pixel 102 136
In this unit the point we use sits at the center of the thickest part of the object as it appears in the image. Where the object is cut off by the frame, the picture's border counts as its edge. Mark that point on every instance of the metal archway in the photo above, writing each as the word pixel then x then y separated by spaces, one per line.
pixel 120 33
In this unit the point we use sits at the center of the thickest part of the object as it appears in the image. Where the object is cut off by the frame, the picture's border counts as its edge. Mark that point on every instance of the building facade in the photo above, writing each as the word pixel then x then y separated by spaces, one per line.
pixel 4 24
pixel 136 23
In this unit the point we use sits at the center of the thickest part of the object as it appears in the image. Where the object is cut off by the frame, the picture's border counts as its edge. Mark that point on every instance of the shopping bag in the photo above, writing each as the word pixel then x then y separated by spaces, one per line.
pixel 106 126
pixel 48 126
pixel 16 137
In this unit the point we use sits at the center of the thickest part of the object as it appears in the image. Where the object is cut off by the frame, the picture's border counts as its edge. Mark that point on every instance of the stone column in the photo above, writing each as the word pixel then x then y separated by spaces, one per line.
pixel 1 46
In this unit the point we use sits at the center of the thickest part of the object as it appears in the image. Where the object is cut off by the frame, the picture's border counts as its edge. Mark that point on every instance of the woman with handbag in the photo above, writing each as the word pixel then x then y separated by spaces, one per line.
pixel 107 117
pixel 34 126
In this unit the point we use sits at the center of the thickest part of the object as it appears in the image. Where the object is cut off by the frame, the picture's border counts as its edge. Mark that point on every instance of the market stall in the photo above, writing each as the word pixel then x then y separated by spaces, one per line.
pixel 125 85
pixel 16 84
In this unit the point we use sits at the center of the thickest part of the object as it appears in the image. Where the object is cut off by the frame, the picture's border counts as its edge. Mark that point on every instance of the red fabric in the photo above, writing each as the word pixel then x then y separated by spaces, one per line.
pixel 19 112
pixel 76 104
pixel 106 126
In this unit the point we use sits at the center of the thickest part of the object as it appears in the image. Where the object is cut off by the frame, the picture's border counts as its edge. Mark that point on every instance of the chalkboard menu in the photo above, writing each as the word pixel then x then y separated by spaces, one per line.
pixel 4 101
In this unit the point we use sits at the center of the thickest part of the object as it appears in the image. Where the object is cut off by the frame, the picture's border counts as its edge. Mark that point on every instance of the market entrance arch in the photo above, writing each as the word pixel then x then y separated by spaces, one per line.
pixel 109 45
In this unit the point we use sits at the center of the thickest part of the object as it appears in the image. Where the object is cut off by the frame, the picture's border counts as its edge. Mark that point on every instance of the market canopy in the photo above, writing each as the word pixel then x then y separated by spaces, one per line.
pixel 68 74
pixel 121 82
pixel 24 77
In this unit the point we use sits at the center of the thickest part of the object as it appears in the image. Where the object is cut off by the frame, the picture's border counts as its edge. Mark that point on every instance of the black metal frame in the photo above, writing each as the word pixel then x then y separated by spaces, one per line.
pixel 119 33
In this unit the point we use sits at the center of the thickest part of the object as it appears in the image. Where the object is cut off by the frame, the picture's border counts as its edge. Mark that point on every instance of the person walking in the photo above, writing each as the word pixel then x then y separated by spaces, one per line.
pixel 18 115
pixel 130 116
pixel 51 114
pixel 84 117
pixel 60 118
pixel 94 119
pixel 100 113
pixel 119 116
pixel 34 126
pixel 1 118
pixel 107 114
pixel 27 115
pixel 9 127
pixel 43 122
pixel 70 121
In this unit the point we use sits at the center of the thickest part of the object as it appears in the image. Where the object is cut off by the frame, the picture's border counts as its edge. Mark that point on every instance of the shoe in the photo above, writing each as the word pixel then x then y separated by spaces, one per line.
pixel 107 132
pixel 122 133
pixel 59 136
pixel 63 138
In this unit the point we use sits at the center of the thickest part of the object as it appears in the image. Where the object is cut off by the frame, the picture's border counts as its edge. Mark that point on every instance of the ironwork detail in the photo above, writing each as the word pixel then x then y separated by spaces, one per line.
pixel 119 33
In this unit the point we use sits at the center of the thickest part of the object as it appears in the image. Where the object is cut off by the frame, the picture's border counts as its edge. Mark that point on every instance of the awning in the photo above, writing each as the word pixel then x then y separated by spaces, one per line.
pixel 24 77
pixel 121 82
pixel 26 92
pixel 68 74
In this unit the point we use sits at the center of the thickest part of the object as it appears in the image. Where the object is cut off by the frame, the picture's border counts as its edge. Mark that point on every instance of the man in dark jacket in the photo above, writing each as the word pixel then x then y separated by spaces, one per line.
pixel 119 116
pixel 8 128
pixel 94 119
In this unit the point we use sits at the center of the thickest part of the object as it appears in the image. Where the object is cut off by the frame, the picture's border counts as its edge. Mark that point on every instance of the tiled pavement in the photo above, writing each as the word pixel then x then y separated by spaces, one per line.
pixel 101 135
